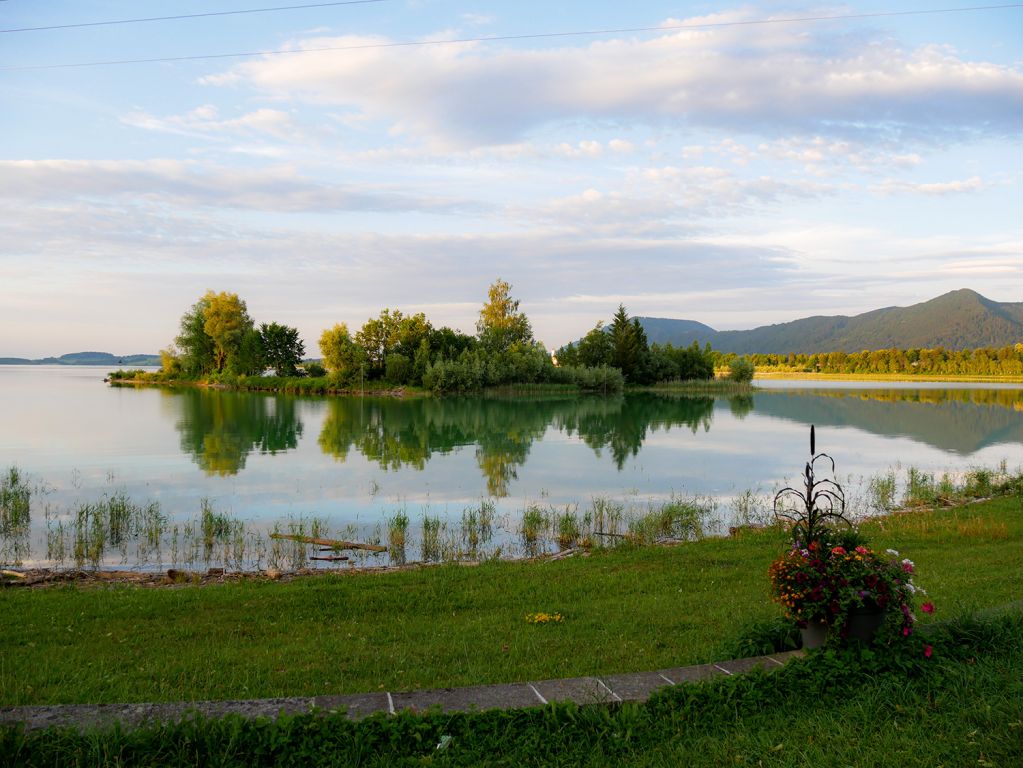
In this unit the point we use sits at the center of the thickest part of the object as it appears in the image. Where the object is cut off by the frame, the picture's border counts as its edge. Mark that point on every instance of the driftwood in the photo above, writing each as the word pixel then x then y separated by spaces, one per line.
pixel 563 554
pixel 12 574
pixel 333 544
pixel 329 559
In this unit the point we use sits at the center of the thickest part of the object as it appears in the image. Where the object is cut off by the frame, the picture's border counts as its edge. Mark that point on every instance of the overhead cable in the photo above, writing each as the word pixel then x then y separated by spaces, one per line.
pixel 189 16
pixel 500 38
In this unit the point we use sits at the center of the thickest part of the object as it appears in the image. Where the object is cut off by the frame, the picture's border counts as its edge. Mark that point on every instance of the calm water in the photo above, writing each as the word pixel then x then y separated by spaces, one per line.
pixel 354 462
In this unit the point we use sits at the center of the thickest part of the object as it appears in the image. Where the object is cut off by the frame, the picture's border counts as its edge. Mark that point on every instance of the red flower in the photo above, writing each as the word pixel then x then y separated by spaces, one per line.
pixel 927 608
pixel 928 650
pixel 838 551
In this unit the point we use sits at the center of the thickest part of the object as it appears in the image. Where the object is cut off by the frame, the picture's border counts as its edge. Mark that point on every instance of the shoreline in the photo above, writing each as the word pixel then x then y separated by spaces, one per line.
pixel 885 377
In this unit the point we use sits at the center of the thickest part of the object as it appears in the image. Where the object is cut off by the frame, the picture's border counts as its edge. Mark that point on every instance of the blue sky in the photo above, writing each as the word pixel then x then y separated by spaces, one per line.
pixel 713 167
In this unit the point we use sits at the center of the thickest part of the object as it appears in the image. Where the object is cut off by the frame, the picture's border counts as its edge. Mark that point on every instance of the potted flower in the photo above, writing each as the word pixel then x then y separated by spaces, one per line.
pixel 830 581
pixel 852 591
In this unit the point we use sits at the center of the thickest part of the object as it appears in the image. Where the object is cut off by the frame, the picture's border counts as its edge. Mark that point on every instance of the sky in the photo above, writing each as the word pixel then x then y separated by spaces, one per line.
pixel 735 164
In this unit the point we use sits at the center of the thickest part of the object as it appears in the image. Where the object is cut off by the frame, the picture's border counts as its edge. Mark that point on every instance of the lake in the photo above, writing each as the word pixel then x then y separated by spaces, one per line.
pixel 349 466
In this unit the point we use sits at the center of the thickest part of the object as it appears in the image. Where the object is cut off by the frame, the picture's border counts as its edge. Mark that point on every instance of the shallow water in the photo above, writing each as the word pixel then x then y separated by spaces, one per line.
pixel 353 463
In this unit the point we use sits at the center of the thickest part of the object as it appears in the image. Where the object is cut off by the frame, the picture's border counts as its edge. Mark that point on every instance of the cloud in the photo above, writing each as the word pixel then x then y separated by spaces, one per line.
pixel 278 190
pixel 719 191
pixel 206 121
pixel 939 188
pixel 773 80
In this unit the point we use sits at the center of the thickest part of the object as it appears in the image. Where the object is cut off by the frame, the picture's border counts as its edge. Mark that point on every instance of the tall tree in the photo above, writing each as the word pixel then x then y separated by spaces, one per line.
pixel 195 345
pixel 501 324
pixel 283 350
pixel 629 345
pixel 227 320
pixel 375 337
pixel 343 357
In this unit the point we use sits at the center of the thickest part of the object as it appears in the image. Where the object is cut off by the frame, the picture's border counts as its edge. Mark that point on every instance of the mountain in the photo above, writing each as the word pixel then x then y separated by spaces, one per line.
pixel 86 358
pixel 960 319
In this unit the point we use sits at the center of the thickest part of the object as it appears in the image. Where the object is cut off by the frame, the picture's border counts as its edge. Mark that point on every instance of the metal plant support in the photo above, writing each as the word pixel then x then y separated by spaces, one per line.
pixel 814 509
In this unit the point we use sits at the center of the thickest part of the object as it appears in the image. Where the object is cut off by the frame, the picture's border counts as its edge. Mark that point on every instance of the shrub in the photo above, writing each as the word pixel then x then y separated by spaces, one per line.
pixel 741 370
pixel 314 370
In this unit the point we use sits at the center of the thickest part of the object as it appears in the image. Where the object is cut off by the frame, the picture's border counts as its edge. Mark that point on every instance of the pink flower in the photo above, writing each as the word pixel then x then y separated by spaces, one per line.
pixel 906 631
pixel 838 551
pixel 928 650
pixel 927 608
pixel 863 550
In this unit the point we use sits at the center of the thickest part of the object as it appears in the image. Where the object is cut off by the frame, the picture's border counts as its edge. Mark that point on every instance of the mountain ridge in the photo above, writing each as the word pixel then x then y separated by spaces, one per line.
pixel 961 319
pixel 85 358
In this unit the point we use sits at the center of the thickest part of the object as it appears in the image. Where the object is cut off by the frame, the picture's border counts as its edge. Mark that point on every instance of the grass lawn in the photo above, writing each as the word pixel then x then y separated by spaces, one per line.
pixel 625 610
pixel 962 706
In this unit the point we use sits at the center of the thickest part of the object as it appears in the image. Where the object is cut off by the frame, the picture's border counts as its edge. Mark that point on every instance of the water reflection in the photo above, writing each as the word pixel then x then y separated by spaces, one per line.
pixel 219 429
pixel 406 433
pixel 961 421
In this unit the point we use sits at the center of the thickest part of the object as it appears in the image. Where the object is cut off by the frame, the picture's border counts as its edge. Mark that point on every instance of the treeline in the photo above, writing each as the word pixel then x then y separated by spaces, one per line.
pixel 219 342
pixel 985 361
pixel 623 345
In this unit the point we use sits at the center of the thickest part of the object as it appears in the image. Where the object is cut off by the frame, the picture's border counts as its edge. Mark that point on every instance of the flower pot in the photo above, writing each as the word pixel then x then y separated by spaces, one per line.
pixel 864 622
pixel 814 634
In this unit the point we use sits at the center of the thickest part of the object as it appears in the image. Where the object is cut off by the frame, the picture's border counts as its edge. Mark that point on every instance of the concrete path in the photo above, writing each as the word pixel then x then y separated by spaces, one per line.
pixel 635 687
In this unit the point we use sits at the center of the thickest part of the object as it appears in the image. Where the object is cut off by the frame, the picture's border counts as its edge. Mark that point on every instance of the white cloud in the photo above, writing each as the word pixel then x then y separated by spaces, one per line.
pixel 206 121
pixel 959 186
pixel 191 184
pixel 776 79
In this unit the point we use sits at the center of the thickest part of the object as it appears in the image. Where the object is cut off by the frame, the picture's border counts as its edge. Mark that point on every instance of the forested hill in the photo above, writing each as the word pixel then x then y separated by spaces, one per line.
pixel 961 319
pixel 85 358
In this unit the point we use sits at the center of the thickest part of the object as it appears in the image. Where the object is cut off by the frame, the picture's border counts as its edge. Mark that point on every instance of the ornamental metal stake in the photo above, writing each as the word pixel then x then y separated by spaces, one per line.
pixel 820 504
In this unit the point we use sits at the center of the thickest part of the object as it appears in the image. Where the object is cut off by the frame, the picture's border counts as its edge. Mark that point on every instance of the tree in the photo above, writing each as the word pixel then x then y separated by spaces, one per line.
pixel 629 346
pixel 196 346
pixel 227 320
pixel 741 370
pixel 249 359
pixel 374 337
pixel 596 347
pixel 343 357
pixel 283 350
pixel 501 324
pixel 170 361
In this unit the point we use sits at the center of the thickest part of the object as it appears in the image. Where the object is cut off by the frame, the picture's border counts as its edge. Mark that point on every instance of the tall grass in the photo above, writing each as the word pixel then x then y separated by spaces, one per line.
pixel 397 536
pixel 116 529
pixel 431 541
pixel 15 517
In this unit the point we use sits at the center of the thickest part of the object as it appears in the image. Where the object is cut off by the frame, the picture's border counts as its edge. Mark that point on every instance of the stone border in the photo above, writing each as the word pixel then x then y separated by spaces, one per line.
pixel 632 687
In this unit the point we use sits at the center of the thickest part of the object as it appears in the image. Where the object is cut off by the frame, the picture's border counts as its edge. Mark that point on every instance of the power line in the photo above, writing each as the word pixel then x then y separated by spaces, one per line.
pixel 188 16
pixel 500 38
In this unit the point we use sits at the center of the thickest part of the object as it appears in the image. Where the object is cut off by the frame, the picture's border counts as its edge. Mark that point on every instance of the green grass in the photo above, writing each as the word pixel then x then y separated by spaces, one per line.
pixel 963 706
pixel 626 610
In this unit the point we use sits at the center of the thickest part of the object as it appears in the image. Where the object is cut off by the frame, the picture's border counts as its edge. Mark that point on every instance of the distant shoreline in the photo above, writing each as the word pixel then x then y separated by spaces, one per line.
pixel 895 377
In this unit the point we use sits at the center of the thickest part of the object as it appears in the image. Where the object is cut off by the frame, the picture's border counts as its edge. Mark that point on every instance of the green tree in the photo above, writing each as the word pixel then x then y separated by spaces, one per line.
pixel 409 335
pixel 170 361
pixel 500 324
pixel 345 359
pixel 196 346
pixel 283 350
pixel 629 348
pixel 596 347
pixel 249 359
pixel 741 370
pixel 375 338
pixel 227 320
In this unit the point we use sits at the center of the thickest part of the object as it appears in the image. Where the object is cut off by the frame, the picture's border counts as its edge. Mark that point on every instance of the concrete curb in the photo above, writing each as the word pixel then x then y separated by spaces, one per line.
pixel 632 687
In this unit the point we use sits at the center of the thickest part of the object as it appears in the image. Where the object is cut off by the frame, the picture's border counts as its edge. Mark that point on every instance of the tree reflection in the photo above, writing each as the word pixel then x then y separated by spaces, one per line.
pixel 406 433
pixel 219 429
